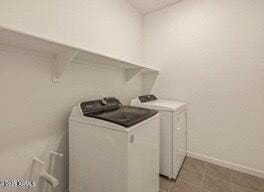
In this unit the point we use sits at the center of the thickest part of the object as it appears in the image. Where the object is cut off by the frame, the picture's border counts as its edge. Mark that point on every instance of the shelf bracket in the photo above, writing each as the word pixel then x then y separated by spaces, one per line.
pixel 149 79
pixel 63 60
pixel 130 73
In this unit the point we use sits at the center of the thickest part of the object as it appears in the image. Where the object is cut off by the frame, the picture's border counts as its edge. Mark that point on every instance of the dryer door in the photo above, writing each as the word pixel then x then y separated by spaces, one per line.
pixel 179 141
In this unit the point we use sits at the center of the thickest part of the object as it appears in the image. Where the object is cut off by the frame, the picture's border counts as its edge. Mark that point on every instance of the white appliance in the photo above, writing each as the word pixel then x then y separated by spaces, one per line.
pixel 113 148
pixel 173 136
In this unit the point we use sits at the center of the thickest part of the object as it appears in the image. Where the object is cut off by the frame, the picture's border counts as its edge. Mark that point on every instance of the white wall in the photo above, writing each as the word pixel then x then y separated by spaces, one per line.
pixel 34 112
pixel 211 55
pixel 110 27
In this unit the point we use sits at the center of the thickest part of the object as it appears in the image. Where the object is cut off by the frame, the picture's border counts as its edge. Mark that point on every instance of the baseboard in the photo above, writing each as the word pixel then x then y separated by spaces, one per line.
pixel 226 164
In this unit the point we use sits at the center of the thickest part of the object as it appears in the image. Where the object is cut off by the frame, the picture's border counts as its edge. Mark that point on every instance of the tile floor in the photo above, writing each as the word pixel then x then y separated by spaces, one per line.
pixel 199 176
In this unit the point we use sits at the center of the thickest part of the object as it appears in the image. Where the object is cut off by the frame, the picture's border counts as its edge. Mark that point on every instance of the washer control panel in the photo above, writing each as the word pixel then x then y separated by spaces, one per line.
pixel 103 105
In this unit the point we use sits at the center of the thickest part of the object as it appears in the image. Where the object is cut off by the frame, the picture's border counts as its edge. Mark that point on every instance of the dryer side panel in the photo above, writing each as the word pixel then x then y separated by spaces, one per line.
pixel 166 143
pixel 179 141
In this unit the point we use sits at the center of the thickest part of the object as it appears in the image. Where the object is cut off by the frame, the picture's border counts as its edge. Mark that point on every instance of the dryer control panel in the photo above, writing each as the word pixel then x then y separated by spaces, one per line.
pixel 147 98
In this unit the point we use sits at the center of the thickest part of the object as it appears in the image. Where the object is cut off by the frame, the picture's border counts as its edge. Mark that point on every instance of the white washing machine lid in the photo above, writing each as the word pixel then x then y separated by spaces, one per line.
pixel 160 104
pixel 77 116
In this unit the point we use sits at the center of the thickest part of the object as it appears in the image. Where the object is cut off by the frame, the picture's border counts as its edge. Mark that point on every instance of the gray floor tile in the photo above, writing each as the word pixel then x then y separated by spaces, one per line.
pixel 247 181
pixel 200 176
pixel 182 186
pixel 237 188
pixel 165 184
pixel 213 184
pixel 191 177
pixel 194 165
pixel 218 172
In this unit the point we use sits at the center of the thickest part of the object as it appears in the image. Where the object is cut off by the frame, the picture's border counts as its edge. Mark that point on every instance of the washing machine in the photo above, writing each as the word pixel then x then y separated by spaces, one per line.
pixel 173 132
pixel 113 148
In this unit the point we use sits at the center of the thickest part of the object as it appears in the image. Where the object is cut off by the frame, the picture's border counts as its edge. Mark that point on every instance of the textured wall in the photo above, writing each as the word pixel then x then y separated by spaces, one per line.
pixel 34 111
pixel 109 27
pixel 211 55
